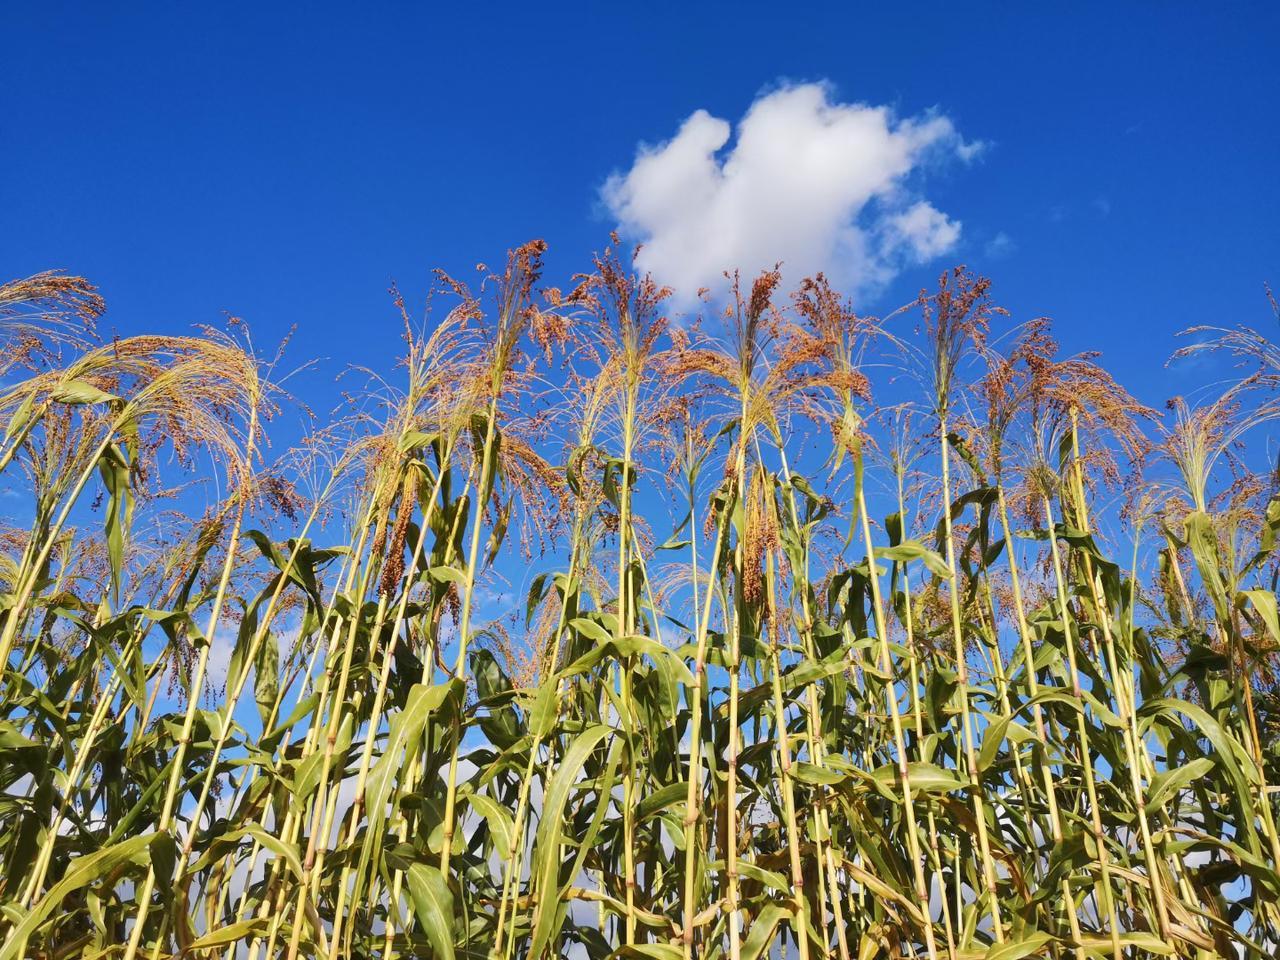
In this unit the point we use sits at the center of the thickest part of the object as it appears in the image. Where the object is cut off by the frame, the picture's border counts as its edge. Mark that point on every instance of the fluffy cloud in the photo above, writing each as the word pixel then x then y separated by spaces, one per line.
pixel 816 184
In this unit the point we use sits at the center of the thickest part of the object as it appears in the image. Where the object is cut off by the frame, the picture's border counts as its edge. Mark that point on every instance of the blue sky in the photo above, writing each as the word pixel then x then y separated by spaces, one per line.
pixel 285 164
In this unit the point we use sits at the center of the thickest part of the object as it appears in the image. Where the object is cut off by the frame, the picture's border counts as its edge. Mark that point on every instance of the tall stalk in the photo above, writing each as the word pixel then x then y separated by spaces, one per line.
pixel 899 741
pixel 966 719
pixel 786 784
pixel 165 822
pixel 1104 891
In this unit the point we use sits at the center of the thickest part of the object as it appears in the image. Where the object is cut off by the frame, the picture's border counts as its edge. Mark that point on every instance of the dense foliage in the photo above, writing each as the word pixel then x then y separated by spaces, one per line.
pixel 587 633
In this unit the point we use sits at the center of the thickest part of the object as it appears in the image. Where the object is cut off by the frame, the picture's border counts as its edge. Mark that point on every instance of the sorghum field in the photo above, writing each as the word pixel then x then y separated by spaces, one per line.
pixel 586 631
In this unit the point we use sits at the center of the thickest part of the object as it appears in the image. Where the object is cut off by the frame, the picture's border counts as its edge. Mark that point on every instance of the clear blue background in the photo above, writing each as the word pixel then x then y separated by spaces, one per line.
pixel 284 163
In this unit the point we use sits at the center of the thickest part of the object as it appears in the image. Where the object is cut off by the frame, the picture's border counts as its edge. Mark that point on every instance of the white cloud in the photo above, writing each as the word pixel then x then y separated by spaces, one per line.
pixel 221 647
pixel 923 229
pixel 1001 245
pixel 816 184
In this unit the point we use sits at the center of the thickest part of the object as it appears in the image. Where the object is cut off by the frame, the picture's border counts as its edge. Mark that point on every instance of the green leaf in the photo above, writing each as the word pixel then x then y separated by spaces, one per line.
pixel 444 574
pixel 1203 540
pixel 1025 946
pixel 20 418
pixel 501 824
pixel 1209 727
pixel 12 739
pixel 590 629
pixel 658 951
pixel 662 799
pixel 545 865
pixel 114 470
pixel 811 773
pixel 307 778
pixel 433 905
pixel 231 933
pixel 79 392
pixel 622 648
pixel 1264 602
pixel 770 878
pixel 266 676
pixel 915 550
pixel 285 851
pixel 82 872
pixel 760 936
pixel 544 710
pixel 537 590
pixel 925 777
pixel 405 733
pixel 1168 782
pixel 1146 943
pixel 996 733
